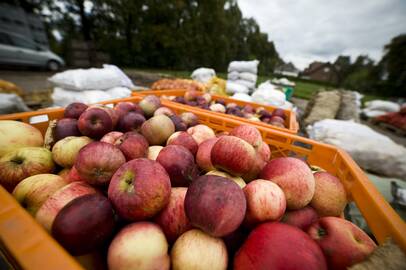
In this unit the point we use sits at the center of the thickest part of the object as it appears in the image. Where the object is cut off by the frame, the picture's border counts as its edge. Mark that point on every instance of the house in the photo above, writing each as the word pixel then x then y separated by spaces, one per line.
pixel 320 71
pixel 287 70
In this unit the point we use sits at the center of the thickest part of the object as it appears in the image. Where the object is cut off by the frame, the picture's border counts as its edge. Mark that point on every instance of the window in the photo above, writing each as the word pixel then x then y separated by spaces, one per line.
pixel 326 69
pixel 23 43
pixel 4 39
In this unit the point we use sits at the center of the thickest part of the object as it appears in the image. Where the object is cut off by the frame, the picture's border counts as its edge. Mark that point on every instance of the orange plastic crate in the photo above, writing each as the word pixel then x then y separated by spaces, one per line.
pixel 292 126
pixel 32 248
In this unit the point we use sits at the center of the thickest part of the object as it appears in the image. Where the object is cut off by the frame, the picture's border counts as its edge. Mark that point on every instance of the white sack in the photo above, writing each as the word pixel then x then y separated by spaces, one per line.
pixel 242 96
pixel 63 97
pixel 232 87
pixel 269 97
pixel 250 85
pixel 371 150
pixel 373 113
pixel 203 75
pixel 119 92
pixel 244 66
pixel 233 76
pixel 11 103
pixel 382 105
pixel 93 78
pixel 246 76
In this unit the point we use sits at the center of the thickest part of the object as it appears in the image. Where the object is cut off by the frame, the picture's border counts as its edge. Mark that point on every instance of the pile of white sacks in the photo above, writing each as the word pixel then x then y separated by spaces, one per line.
pixel 378 107
pixel 242 77
pixel 90 85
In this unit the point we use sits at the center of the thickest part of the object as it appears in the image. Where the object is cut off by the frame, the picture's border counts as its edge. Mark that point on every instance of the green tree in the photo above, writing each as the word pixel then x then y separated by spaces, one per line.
pixel 392 67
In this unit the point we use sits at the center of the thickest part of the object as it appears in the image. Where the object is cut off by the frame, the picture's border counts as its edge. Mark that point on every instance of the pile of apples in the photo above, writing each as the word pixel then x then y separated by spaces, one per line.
pixel 194 98
pixel 152 190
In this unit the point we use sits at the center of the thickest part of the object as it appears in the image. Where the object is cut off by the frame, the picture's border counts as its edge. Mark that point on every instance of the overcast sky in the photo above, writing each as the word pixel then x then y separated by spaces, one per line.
pixel 307 30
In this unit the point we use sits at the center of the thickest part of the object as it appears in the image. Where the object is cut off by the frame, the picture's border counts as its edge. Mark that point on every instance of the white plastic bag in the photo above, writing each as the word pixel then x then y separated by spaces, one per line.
pixel 232 87
pixel 203 75
pixel 242 96
pixel 244 66
pixel 371 150
pixel 94 78
pixel 382 105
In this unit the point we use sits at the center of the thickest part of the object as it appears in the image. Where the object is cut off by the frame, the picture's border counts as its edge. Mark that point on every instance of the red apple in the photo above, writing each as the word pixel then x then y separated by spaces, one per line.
pixel 153 151
pixel 66 127
pixel 343 243
pixel 217 107
pixel 16 134
pixel 33 191
pixel 124 107
pixel 265 202
pixel 74 110
pixel 274 245
pixel 189 118
pixel 280 113
pixel 139 189
pixel 276 124
pixel 191 95
pixel 150 104
pixel 179 163
pixel 51 207
pixel 215 204
pixel 164 110
pixel 98 161
pixel 21 163
pixel 95 122
pixel 64 173
pixel 158 129
pixel 185 139
pixel 201 133
pixel 233 155
pixel 249 134
pixel 73 176
pixel 84 224
pixel 301 218
pixel 172 218
pixel 111 137
pixel 133 145
pixel 277 119
pixel 132 121
pixel 203 155
pixel 256 168
pixel 329 197
pixel 179 124
pixel 248 109
pixel 294 177
pixel 140 246
pixel 197 250
pixel 65 151
pixel 264 151
pixel 238 180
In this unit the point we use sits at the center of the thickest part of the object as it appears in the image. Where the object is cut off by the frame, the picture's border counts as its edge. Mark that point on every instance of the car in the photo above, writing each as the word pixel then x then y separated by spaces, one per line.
pixel 17 50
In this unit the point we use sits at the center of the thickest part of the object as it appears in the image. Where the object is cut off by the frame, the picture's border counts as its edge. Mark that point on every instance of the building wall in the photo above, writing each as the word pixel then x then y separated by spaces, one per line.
pixel 325 74
pixel 15 20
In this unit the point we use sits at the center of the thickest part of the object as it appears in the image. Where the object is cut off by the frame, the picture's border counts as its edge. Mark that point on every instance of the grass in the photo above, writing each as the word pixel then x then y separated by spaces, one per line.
pixel 303 89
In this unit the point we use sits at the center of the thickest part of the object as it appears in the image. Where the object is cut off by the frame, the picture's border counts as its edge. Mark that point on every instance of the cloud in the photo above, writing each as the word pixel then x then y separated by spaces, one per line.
pixel 304 31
